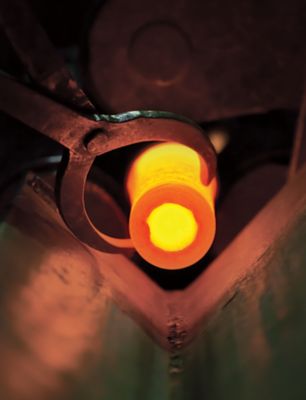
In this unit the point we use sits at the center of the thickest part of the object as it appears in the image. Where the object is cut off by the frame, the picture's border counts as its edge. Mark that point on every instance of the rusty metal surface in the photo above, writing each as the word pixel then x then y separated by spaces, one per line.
pixel 204 59
pixel 88 137
pixel 245 199
pixel 58 314
pixel 177 315
pixel 60 323
pixel 35 218
pixel 39 57
pixel 84 137
pixel 298 156
pixel 218 283
pixel 254 347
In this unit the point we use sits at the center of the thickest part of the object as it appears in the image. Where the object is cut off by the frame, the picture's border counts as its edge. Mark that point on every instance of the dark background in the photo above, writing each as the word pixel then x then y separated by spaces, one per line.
pixel 236 70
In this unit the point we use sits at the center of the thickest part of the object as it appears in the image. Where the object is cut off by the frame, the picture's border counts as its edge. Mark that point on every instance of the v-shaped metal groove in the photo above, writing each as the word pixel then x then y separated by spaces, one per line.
pixel 174 318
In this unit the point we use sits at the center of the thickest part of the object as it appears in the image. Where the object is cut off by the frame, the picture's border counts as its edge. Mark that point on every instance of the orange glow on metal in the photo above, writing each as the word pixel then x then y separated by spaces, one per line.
pixel 172 221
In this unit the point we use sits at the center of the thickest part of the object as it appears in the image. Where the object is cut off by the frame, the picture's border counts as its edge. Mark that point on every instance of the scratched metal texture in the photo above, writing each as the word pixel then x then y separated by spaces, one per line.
pixel 254 348
pixel 66 334
pixel 62 335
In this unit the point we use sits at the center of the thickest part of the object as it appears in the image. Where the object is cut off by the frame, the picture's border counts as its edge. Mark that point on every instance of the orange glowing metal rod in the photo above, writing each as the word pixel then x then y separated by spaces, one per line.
pixel 172 220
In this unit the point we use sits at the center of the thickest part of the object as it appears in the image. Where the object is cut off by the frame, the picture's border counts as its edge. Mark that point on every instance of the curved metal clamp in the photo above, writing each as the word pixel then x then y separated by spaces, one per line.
pixel 88 137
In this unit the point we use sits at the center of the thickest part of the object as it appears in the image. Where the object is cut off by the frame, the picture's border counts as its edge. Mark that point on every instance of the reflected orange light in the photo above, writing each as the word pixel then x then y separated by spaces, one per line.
pixel 172 221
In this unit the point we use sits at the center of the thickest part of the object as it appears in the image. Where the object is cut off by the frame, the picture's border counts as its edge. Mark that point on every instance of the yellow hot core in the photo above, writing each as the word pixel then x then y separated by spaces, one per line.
pixel 172 227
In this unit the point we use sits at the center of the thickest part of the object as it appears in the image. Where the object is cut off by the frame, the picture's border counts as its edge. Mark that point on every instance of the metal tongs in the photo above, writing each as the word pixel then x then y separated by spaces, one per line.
pixel 83 131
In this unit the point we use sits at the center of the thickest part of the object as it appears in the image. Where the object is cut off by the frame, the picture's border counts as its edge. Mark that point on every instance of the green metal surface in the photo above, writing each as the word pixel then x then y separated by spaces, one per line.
pixel 61 334
pixel 73 321
pixel 255 347
pixel 129 365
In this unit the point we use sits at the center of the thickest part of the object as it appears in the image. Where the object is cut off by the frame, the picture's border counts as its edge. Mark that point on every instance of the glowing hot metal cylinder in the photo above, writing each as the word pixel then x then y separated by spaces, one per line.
pixel 172 221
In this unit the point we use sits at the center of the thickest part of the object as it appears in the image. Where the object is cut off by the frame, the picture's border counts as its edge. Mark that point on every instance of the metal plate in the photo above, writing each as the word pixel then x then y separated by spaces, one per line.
pixel 207 60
